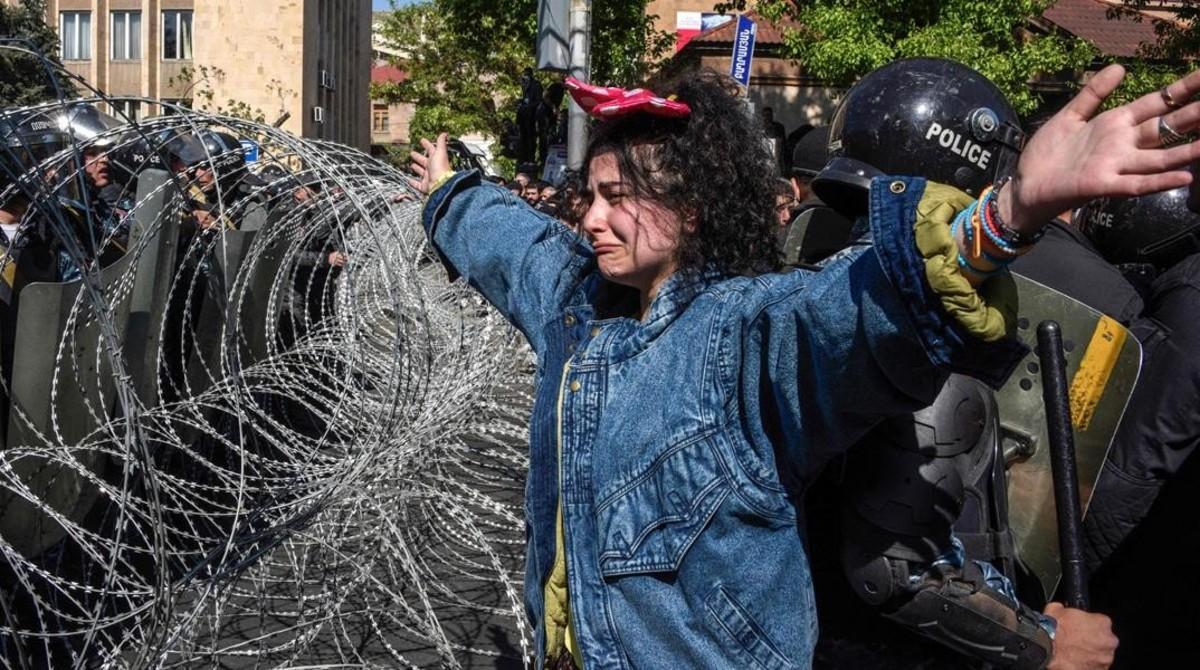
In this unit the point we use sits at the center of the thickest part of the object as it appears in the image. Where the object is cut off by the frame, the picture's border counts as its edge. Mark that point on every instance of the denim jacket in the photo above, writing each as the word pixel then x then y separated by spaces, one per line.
pixel 688 438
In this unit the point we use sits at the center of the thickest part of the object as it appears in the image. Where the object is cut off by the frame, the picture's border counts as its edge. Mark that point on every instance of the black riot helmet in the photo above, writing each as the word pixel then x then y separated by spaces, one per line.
pixel 223 155
pixel 1158 229
pixel 89 126
pixel 28 138
pixel 216 150
pixel 147 148
pixel 924 117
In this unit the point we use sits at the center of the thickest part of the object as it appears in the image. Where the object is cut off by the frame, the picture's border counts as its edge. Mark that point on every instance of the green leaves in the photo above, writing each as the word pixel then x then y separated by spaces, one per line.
pixel 841 40
pixel 1172 56
pixel 23 78
pixel 464 58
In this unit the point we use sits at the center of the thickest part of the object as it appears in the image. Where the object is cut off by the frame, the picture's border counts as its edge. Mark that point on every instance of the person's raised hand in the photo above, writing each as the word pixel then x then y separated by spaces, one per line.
pixel 431 165
pixel 1080 155
pixel 1083 641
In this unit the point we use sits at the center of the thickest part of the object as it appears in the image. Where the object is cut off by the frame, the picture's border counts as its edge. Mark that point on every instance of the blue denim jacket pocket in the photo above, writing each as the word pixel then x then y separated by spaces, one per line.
pixel 649 523
pixel 741 634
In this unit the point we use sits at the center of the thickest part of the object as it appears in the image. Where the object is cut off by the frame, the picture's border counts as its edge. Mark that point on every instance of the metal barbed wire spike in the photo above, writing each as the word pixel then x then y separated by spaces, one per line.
pixel 222 450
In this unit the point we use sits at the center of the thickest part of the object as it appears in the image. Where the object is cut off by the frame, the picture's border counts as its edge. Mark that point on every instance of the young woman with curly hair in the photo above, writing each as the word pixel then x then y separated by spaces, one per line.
pixel 687 393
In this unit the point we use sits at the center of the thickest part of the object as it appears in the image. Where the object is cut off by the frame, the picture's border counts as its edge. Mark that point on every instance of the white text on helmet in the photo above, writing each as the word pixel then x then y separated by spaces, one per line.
pixel 1102 219
pixel 958 144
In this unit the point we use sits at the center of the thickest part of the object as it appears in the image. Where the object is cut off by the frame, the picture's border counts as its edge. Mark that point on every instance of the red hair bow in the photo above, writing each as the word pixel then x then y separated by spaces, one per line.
pixel 608 102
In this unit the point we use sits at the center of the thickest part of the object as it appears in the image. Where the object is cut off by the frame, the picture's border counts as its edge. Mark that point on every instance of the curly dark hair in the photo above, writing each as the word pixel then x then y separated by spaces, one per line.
pixel 712 167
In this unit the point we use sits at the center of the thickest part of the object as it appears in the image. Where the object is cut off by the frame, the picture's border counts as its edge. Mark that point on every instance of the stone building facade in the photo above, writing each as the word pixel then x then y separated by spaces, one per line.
pixel 308 60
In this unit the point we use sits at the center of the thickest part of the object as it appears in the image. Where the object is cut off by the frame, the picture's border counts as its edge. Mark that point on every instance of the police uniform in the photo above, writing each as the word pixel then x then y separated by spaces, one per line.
pixel 1066 261
pixel 921 520
pixel 1141 517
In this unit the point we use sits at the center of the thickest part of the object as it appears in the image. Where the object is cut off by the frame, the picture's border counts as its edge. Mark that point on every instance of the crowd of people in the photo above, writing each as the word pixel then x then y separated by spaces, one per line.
pixel 69 177
pixel 765 365
pixel 766 386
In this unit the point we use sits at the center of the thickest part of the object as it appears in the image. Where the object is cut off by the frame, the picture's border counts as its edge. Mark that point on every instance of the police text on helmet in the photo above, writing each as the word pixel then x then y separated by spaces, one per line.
pixel 955 142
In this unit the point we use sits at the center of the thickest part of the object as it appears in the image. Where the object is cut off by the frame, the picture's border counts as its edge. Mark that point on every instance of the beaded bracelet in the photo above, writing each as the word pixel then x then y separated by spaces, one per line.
pixel 1014 238
pixel 970 236
pixel 993 232
pixel 966 265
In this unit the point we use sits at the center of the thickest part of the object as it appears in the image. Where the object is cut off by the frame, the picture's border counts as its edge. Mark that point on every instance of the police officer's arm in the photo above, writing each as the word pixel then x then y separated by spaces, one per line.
pixel 906 487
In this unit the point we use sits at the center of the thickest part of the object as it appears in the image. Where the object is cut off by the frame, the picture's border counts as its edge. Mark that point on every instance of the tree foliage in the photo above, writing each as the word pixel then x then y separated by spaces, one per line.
pixel 1178 41
pixel 841 40
pixel 1168 58
pixel 199 84
pixel 23 78
pixel 464 58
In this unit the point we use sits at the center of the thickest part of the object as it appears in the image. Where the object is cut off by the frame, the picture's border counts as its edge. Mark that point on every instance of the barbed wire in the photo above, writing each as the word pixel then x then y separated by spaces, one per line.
pixel 236 454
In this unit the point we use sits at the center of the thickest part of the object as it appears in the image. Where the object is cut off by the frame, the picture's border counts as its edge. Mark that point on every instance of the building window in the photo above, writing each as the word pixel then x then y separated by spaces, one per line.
pixel 127 109
pixel 126 31
pixel 379 119
pixel 177 35
pixel 75 33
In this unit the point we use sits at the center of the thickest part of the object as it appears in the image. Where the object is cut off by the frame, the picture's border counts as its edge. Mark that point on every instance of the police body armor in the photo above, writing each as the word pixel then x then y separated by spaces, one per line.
pixel 916 478
pixel 924 508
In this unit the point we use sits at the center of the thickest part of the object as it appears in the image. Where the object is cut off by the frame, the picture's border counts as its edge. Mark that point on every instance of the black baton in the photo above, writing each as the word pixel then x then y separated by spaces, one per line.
pixel 1062 462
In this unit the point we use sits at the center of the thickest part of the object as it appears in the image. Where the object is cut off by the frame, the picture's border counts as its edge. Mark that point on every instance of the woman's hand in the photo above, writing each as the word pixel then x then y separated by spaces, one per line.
pixel 1079 155
pixel 431 165
pixel 1084 640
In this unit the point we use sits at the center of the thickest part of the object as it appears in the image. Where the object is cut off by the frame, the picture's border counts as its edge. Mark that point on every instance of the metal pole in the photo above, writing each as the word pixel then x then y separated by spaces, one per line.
pixel 581 67
pixel 1062 463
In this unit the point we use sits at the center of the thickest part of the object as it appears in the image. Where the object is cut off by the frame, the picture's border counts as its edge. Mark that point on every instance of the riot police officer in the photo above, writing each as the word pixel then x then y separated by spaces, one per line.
pixel 923 514
pixel 816 230
pixel 108 203
pixel 1141 519
pixel 28 206
pixel 222 192
pixel 218 194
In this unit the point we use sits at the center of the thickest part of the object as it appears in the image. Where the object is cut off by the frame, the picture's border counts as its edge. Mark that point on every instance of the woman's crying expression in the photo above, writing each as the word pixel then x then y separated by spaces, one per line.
pixel 634 239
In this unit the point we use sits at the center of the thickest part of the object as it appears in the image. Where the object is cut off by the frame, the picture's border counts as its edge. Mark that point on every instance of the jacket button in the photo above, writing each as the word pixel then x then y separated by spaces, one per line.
pixel 596 331
pixel 569 320
pixel 897 187
pixel 575 386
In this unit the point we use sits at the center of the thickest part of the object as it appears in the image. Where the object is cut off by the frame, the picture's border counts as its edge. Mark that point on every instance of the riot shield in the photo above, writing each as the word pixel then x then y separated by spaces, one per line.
pixel 255 288
pixel 156 220
pixel 63 389
pixel 215 318
pixel 234 312
pixel 1103 362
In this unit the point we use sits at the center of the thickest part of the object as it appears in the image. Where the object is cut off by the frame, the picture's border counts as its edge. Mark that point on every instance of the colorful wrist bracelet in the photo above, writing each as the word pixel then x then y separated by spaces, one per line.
pixel 1013 238
pixel 993 234
pixel 966 265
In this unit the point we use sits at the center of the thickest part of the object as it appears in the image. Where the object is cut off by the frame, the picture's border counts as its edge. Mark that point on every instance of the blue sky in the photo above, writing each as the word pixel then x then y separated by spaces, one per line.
pixel 385 4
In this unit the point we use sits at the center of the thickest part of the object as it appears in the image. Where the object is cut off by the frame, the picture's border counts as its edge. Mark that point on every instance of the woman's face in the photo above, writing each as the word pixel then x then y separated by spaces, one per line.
pixel 634 239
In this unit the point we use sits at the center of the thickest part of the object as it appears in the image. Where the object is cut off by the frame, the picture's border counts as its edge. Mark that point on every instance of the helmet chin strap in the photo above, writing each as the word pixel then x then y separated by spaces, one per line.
pixel 1012 137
